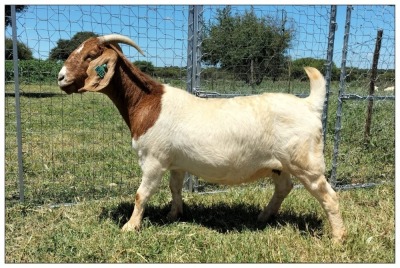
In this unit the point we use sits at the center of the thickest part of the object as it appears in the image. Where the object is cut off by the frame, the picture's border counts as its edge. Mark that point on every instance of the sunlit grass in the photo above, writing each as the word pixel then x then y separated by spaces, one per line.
pixel 216 228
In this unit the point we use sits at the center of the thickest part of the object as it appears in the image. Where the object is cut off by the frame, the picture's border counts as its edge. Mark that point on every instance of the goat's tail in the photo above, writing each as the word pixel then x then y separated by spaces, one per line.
pixel 317 88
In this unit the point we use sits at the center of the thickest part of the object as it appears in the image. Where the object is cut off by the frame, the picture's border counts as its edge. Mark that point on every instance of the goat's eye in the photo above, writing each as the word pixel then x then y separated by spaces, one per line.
pixel 91 55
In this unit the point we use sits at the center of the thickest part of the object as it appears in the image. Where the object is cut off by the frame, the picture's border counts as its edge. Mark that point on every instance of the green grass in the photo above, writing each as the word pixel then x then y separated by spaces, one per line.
pixel 360 162
pixel 74 147
pixel 77 149
pixel 216 228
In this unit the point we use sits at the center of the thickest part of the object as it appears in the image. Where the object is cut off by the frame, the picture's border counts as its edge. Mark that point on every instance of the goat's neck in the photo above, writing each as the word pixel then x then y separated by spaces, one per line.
pixel 137 97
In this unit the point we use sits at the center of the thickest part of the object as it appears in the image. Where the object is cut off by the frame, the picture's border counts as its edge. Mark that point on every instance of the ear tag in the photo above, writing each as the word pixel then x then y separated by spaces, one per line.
pixel 101 70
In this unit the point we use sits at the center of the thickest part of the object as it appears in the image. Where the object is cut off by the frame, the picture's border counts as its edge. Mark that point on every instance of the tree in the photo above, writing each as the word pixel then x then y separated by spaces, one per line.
pixel 145 66
pixel 65 47
pixel 24 52
pixel 246 45
pixel 18 9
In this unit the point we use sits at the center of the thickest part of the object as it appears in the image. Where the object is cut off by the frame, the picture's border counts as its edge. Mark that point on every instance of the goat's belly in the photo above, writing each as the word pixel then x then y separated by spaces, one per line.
pixel 229 174
pixel 233 178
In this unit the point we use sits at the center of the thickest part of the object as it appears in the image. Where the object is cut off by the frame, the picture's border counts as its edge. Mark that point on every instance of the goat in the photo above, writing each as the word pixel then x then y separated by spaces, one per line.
pixel 389 88
pixel 226 141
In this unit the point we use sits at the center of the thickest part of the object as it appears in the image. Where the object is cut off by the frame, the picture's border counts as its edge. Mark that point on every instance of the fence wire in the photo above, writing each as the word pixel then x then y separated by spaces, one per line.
pixel 77 147
pixel 307 27
pixel 373 159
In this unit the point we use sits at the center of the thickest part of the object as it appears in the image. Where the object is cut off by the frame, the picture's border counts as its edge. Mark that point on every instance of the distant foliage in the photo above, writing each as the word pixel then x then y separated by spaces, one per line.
pixel 145 66
pixel 297 68
pixel 34 71
pixel 65 47
pixel 7 9
pixel 384 76
pixel 246 45
pixel 24 52
pixel 170 72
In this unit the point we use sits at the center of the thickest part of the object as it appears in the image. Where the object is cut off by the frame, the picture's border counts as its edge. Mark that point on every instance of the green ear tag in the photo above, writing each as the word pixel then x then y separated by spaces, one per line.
pixel 101 70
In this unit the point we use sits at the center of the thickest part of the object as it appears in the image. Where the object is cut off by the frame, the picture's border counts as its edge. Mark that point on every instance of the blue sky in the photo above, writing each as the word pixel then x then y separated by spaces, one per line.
pixel 162 30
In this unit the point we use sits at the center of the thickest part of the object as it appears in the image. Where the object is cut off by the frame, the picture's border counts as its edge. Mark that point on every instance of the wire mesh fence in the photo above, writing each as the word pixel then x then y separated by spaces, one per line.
pixel 264 60
pixel 368 79
pixel 77 147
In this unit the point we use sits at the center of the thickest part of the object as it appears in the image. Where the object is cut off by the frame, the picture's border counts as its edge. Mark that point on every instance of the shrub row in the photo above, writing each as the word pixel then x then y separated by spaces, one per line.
pixel 35 71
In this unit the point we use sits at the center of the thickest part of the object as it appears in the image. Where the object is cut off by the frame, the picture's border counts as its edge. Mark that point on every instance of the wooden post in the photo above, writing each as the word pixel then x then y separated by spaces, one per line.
pixel 374 71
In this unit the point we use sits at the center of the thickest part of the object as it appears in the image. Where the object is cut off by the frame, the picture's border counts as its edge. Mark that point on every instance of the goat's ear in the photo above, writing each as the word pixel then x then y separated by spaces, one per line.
pixel 100 71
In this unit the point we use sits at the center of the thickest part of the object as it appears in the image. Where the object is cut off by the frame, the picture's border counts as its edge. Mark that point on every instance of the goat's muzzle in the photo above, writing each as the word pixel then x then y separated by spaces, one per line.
pixel 68 88
pixel 66 85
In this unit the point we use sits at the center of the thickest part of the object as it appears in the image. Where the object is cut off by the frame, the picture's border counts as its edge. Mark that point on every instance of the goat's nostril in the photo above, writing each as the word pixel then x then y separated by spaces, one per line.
pixel 61 74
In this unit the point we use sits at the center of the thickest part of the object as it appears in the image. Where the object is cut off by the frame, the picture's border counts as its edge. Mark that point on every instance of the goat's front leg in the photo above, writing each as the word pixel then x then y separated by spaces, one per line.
pixel 175 184
pixel 283 186
pixel 151 179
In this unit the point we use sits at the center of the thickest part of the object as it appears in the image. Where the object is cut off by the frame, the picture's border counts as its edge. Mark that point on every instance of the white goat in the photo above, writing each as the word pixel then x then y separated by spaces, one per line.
pixel 389 88
pixel 228 141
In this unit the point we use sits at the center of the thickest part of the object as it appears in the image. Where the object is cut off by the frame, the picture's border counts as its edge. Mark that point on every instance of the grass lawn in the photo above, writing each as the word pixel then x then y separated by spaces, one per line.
pixel 216 228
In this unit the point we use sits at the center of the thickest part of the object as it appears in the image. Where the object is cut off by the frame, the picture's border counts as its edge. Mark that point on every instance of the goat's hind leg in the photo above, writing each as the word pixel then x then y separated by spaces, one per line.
pixel 175 184
pixel 327 197
pixel 283 186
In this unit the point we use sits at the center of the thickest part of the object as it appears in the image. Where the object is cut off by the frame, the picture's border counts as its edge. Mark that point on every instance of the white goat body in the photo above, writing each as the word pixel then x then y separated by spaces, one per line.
pixel 389 88
pixel 229 141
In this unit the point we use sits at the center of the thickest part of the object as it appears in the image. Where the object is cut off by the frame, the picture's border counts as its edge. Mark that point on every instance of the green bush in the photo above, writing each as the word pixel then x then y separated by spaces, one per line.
pixel 171 72
pixel 33 71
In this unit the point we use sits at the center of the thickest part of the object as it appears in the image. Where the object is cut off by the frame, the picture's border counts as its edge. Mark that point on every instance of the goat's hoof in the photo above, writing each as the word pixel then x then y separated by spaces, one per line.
pixel 173 216
pixel 338 240
pixel 339 237
pixel 129 227
pixel 264 217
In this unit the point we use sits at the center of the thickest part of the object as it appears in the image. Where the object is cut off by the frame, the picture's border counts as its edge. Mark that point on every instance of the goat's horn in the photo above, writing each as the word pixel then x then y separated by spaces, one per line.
pixel 119 39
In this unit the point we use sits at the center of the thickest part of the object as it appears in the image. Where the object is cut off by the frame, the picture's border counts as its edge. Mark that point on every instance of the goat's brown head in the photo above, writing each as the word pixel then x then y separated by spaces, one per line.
pixel 91 66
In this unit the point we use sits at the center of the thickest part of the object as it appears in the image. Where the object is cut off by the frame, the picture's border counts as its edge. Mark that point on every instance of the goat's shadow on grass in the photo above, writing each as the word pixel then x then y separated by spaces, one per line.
pixel 35 95
pixel 221 217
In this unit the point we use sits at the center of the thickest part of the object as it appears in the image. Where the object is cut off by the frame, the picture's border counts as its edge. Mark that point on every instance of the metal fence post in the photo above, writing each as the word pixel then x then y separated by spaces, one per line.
pixel 195 24
pixel 338 125
pixel 190 51
pixel 328 70
pixel 17 105
pixel 198 14
pixel 195 28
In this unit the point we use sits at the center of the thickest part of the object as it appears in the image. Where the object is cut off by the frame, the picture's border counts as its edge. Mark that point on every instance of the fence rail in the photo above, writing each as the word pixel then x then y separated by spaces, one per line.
pixel 62 149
